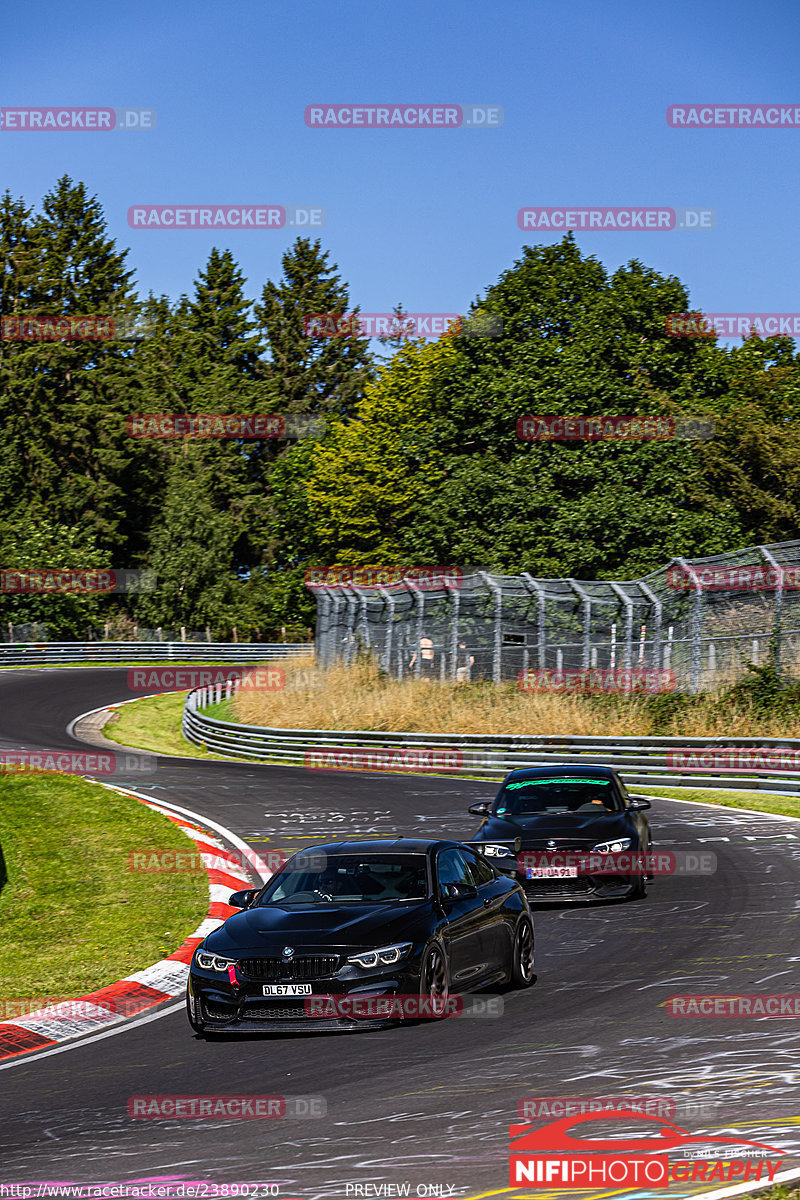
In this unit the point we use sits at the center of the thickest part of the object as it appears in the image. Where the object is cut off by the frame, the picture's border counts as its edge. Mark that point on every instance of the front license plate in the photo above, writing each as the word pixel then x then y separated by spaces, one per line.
pixel 552 872
pixel 287 989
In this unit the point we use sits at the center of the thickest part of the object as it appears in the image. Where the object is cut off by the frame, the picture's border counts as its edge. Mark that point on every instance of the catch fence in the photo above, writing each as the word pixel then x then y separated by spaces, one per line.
pixel 696 623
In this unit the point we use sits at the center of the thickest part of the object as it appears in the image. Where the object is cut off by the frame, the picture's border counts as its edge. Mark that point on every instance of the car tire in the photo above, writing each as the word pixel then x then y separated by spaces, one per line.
pixel 434 984
pixel 639 889
pixel 198 1025
pixel 522 955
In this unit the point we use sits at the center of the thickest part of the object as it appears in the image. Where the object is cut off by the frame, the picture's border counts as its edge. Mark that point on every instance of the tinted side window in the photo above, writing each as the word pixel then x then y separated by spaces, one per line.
pixel 452 869
pixel 481 871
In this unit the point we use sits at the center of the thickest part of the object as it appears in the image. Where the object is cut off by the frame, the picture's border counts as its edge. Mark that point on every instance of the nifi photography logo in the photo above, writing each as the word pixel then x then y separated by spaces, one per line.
pixel 552 1156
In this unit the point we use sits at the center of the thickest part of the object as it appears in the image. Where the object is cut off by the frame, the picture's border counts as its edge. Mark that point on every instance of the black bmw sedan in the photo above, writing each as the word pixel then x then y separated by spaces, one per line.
pixel 579 832
pixel 354 934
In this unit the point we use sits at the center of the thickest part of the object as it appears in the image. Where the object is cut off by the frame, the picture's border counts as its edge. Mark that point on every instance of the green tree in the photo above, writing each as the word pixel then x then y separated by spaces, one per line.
pixel 309 374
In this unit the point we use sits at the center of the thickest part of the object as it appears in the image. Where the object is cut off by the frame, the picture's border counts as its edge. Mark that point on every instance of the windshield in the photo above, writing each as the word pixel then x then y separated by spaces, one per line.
pixel 572 794
pixel 351 879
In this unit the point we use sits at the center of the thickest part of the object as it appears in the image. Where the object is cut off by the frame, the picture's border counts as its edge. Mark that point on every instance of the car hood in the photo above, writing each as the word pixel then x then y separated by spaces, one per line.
pixel 578 828
pixel 263 931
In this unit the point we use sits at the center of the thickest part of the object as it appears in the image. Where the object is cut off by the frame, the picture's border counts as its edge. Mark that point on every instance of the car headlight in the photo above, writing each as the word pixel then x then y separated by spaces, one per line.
pixel 612 847
pixel 497 851
pixel 213 962
pixel 385 956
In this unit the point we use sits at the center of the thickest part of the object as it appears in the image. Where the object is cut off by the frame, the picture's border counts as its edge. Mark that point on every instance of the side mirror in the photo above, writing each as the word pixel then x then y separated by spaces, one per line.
pixel 638 802
pixel 243 899
pixel 481 809
pixel 466 891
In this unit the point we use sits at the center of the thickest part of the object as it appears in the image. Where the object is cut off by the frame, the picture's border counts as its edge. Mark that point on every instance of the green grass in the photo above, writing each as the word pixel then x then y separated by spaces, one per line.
pixel 153 723
pixel 74 917
pixel 785 806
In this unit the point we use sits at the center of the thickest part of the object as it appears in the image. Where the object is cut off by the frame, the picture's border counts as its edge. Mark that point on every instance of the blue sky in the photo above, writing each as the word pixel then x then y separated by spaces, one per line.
pixel 424 217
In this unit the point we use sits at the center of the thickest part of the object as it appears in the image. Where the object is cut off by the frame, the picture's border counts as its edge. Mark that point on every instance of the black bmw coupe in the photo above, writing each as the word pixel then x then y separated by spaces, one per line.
pixel 352 934
pixel 580 834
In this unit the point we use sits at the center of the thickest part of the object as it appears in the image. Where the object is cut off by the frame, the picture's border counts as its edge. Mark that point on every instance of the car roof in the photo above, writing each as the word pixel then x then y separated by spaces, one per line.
pixel 561 771
pixel 381 846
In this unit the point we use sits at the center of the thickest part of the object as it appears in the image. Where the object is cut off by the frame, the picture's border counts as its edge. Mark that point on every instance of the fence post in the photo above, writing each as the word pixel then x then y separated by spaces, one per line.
pixel 454 630
pixel 586 602
pixel 386 657
pixel 541 602
pixel 497 651
pixel 419 601
pixel 778 605
pixel 322 597
pixel 626 600
pixel 697 624
pixel 657 614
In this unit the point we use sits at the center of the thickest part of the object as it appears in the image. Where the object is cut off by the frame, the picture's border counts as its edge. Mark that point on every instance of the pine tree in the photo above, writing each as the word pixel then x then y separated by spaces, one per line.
pixel 310 374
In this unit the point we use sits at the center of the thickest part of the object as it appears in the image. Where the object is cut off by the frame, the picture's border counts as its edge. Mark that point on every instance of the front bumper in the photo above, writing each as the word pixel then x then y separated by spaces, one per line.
pixel 221 1008
pixel 573 889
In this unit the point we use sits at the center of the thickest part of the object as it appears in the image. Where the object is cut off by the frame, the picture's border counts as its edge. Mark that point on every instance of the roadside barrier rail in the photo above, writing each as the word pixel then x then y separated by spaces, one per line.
pixel 736 763
pixel 30 654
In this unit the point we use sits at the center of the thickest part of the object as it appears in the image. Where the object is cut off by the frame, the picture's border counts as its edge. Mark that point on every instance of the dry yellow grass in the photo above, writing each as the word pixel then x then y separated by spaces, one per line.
pixel 357 698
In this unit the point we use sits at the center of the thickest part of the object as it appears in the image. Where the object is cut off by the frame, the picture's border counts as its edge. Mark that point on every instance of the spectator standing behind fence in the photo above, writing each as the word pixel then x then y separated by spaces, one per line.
pixel 464 663
pixel 427 656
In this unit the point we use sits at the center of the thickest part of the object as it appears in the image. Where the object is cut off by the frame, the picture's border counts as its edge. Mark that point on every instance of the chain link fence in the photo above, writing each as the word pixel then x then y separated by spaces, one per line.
pixel 702 620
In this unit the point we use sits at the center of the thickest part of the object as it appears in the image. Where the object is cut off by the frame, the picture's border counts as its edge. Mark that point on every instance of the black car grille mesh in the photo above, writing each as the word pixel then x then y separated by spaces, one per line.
pixel 273 1012
pixel 277 970
pixel 551 889
pixel 219 1012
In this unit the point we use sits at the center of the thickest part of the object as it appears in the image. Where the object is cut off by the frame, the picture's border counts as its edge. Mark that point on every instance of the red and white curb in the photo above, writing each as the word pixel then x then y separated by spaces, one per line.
pixel 164 980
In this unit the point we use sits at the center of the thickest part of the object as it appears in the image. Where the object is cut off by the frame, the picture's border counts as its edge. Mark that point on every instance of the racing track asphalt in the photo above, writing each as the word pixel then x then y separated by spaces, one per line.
pixel 428 1103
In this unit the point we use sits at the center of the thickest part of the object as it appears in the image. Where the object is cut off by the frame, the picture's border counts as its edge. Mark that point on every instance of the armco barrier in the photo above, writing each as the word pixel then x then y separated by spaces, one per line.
pixel 43 654
pixel 640 761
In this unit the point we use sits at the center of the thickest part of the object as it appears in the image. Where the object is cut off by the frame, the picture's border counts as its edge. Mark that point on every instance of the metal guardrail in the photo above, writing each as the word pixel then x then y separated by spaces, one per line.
pixel 29 654
pixel 640 761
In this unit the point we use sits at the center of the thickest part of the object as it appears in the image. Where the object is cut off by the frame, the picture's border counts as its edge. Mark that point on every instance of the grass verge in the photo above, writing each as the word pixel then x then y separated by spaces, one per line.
pixel 74 918
pixel 783 806
pixel 153 723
